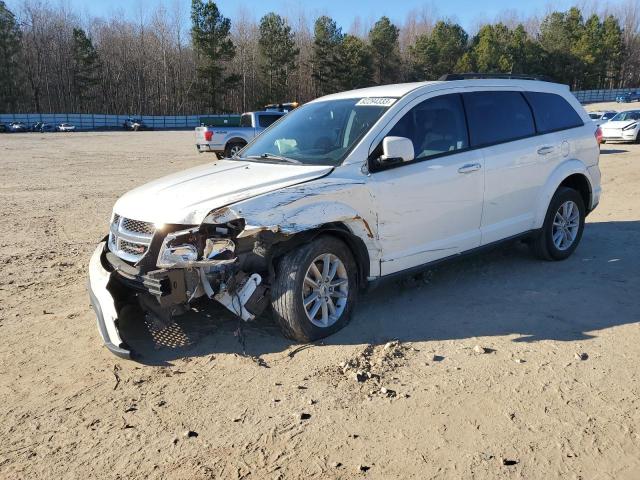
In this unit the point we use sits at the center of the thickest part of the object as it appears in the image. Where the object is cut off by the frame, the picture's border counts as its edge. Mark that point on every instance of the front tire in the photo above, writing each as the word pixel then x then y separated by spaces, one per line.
pixel 315 289
pixel 563 226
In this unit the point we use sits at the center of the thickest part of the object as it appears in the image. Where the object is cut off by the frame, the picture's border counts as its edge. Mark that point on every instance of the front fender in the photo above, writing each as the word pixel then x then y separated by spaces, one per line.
pixel 562 171
pixel 308 206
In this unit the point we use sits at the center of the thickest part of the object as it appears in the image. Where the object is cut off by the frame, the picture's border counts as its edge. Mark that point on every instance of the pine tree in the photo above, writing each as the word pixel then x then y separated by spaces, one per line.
pixel 327 64
pixel 278 54
pixel 85 70
pixel 210 33
pixel 356 62
pixel 383 38
pixel 10 49
pixel 437 53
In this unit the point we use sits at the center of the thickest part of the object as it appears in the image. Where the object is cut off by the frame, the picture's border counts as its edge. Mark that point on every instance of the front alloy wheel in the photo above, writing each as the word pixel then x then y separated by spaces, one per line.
pixel 314 289
pixel 325 290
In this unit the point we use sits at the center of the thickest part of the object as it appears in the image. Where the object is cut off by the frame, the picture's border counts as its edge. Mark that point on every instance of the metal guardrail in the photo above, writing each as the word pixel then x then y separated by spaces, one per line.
pixel 99 121
pixel 591 96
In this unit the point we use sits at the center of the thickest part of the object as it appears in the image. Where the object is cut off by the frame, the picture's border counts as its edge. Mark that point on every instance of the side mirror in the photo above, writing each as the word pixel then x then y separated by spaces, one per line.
pixel 396 150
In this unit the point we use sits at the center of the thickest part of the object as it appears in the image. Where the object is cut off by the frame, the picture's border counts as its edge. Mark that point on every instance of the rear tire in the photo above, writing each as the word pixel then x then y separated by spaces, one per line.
pixel 311 300
pixel 232 149
pixel 562 228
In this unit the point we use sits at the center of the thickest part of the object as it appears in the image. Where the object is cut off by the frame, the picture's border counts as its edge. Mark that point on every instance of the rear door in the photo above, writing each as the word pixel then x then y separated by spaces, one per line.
pixel 502 127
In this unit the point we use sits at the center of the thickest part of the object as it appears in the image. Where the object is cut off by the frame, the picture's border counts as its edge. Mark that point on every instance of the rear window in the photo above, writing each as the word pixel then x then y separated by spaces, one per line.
pixel 266 120
pixel 552 112
pixel 496 117
pixel 245 120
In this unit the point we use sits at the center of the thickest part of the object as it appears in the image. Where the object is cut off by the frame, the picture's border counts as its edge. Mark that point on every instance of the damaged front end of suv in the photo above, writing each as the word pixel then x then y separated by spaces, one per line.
pixel 167 267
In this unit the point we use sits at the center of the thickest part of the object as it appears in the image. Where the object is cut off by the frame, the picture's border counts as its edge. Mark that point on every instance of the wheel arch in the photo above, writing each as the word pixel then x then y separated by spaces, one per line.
pixel 337 229
pixel 572 174
pixel 231 140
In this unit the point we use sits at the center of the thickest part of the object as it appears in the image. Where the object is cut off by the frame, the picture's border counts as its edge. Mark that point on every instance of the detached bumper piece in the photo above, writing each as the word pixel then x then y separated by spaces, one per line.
pixel 104 306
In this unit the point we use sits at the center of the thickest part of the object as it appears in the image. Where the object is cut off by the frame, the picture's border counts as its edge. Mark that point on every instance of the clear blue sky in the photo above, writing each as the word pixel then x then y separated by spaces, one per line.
pixel 467 12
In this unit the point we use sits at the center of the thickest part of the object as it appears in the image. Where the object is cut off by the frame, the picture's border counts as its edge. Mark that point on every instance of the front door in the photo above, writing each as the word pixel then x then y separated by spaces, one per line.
pixel 431 207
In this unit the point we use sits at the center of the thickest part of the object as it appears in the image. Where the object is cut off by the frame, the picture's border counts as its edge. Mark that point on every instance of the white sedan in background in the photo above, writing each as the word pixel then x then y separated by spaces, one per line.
pixel 66 127
pixel 624 127
pixel 603 116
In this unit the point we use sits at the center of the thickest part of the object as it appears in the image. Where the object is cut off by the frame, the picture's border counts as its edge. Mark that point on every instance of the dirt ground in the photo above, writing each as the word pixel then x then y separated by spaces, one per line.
pixel 433 407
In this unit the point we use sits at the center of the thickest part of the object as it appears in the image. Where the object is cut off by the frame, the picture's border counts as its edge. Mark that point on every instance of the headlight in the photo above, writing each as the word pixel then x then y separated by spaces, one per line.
pixel 630 127
pixel 195 248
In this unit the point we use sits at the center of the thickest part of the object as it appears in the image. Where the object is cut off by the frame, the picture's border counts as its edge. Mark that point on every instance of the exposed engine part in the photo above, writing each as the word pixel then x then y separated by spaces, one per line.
pixel 236 293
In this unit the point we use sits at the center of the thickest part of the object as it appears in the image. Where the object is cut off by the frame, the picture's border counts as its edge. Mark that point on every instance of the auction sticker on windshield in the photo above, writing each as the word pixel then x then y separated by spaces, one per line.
pixel 376 101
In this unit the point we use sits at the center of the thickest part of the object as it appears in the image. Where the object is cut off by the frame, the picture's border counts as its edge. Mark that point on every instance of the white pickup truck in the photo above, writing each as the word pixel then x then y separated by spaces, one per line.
pixel 225 142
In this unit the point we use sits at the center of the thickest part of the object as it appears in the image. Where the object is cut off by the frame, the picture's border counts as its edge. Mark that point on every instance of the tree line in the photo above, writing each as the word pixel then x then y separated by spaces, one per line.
pixel 51 60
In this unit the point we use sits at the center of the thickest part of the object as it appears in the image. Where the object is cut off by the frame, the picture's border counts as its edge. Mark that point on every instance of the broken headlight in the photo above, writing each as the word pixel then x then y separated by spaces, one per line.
pixel 195 248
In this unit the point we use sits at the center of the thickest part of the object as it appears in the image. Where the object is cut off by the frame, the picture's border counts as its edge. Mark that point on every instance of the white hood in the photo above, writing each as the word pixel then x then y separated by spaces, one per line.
pixel 617 125
pixel 187 197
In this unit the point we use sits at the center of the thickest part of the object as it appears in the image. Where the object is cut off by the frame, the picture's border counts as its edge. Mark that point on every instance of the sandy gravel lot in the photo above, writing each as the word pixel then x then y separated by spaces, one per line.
pixel 526 409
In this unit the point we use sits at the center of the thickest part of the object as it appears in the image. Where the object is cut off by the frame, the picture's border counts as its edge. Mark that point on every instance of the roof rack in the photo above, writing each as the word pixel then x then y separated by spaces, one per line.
pixel 505 76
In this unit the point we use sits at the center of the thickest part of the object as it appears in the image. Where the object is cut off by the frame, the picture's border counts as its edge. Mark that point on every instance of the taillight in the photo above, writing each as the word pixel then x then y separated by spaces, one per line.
pixel 598 135
pixel 208 135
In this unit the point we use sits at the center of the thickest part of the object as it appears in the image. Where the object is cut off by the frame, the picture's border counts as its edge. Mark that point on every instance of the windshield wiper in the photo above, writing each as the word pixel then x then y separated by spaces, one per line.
pixel 270 156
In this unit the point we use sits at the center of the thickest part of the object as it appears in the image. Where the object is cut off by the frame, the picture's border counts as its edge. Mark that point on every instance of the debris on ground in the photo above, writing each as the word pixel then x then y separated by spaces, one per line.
pixel 581 356
pixel 374 361
pixel 190 434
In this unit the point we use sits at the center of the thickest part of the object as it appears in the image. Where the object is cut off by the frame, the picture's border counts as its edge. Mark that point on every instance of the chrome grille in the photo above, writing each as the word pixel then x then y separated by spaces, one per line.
pixel 130 239
pixel 137 226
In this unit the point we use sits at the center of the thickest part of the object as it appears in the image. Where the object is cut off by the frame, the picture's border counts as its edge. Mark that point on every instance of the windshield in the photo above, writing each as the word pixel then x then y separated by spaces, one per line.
pixel 319 133
pixel 631 115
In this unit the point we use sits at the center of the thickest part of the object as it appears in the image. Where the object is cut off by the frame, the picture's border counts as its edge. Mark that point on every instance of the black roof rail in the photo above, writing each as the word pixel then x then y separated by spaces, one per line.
pixel 505 76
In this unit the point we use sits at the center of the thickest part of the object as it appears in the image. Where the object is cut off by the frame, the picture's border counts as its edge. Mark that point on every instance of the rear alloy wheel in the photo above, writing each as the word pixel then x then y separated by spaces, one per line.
pixel 563 226
pixel 232 149
pixel 315 289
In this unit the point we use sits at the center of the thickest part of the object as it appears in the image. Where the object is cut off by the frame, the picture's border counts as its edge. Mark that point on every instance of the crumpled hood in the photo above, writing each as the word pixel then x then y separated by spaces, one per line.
pixel 187 197
pixel 617 124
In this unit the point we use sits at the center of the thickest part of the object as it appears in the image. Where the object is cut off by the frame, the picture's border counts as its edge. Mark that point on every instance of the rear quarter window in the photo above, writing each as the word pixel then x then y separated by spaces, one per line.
pixel 552 112
pixel 266 120
pixel 496 117
pixel 245 120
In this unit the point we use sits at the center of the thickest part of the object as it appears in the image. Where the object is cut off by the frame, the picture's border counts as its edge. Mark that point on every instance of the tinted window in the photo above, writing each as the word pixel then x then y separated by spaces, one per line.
pixel 594 116
pixel 435 126
pixel 496 117
pixel 608 115
pixel 552 112
pixel 245 120
pixel 266 120
pixel 628 115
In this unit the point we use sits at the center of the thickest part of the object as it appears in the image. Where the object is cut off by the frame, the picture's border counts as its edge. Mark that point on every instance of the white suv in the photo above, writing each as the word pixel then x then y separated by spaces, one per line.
pixel 349 189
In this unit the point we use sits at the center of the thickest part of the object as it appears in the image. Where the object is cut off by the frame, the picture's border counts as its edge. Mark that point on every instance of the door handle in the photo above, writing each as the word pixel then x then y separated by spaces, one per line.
pixel 545 150
pixel 469 167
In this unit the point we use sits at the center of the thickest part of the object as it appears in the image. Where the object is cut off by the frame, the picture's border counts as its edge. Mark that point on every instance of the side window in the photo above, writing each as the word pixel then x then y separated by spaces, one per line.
pixel 496 117
pixel 266 120
pixel 245 120
pixel 435 126
pixel 552 112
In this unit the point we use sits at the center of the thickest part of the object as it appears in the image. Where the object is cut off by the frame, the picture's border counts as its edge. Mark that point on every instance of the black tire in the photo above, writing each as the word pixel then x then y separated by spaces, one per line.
pixel 543 245
pixel 287 289
pixel 231 148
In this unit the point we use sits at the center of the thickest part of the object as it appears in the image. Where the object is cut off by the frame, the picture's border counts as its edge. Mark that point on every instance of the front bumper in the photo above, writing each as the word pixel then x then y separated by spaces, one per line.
pixel 104 304
pixel 619 136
